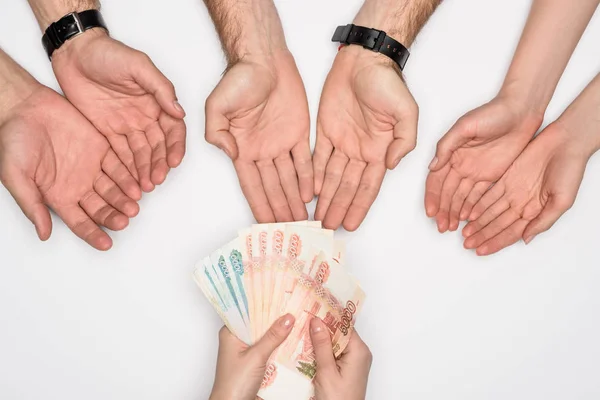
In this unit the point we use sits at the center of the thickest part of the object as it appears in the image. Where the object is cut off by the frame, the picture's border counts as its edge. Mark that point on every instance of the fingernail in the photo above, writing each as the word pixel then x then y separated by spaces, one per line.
pixel 286 321
pixel 529 239
pixel 315 326
pixel 433 163
pixel 178 106
pixel 482 251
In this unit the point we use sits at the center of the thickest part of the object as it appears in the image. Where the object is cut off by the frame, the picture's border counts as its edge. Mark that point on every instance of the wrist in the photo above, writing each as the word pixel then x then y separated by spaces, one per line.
pixel 16 85
pixel 74 46
pixel 358 58
pixel 248 28
pixel 530 98
pixel 47 12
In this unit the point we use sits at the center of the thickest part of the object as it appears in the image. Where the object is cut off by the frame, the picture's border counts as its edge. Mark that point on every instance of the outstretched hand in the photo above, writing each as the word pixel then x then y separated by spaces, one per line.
pixel 258 115
pixel 127 99
pixel 367 123
pixel 51 156
pixel 473 155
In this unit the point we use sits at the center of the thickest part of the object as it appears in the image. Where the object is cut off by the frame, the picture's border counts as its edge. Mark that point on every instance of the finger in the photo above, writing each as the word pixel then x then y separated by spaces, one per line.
pixel 110 192
pixel 253 190
pixel 175 134
pixel 274 191
pixel 369 187
pixel 506 219
pixel 458 200
pixel 114 168
pixel 333 177
pixel 289 183
pixel 552 211
pixel 274 337
pixel 30 200
pixel 82 226
pixel 103 214
pixel 433 190
pixel 153 81
pixel 121 148
pixel 487 200
pixel 507 237
pixel 217 125
pixel 323 151
pixel 156 140
pixel 304 169
pixel 142 153
pixel 405 138
pixel 321 341
pixel 493 212
pixel 450 185
pixel 456 137
pixel 476 194
pixel 345 194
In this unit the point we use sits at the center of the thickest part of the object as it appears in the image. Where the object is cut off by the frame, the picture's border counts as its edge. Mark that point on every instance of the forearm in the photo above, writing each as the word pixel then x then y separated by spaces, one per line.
pixel 400 19
pixel 49 11
pixel 551 34
pixel 15 83
pixel 582 118
pixel 247 27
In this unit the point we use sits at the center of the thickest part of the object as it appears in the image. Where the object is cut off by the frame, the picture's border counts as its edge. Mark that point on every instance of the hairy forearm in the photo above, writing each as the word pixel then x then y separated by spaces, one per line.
pixel 247 27
pixel 49 11
pixel 551 34
pixel 400 19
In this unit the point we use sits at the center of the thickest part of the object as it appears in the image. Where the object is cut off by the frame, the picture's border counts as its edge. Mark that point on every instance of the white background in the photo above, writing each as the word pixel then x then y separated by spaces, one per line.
pixel 442 323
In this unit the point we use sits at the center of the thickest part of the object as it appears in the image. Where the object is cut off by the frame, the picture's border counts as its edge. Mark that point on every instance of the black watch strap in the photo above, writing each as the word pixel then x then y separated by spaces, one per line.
pixel 69 26
pixel 372 39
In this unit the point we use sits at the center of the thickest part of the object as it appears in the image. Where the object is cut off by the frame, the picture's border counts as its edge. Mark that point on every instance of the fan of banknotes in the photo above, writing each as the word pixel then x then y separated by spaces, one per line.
pixel 270 270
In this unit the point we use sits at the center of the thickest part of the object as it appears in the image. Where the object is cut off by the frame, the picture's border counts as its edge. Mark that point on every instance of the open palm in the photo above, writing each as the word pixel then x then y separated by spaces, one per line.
pixel 51 156
pixel 473 155
pixel 537 189
pixel 128 100
pixel 258 115
pixel 367 122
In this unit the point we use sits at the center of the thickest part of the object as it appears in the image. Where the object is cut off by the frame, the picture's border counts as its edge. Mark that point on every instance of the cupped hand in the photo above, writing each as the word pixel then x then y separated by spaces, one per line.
pixel 241 368
pixel 345 378
pixel 51 156
pixel 258 115
pixel 536 190
pixel 127 99
pixel 367 122
pixel 473 155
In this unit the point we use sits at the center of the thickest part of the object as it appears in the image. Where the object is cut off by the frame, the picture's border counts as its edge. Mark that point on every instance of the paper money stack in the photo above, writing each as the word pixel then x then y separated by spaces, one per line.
pixel 270 270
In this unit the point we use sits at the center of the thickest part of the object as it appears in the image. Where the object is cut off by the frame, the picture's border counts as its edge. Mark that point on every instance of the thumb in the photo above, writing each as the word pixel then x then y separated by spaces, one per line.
pixel 321 341
pixel 28 197
pixel 276 335
pixel 153 81
pixel 448 144
pixel 405 136
pixel 217 128
pixel 554 209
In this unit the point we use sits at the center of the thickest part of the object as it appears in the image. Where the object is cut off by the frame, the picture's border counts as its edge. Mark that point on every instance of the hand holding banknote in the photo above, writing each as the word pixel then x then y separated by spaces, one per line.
pixel 344 378
pixel 241 368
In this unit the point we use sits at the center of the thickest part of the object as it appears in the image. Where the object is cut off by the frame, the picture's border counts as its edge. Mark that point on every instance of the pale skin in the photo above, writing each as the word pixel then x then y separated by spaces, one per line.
pixel 258 112
pixel 121 92
pixel 367 119
pixel 483 144
pixel 51 157
pixel 542 184
pixel 240 368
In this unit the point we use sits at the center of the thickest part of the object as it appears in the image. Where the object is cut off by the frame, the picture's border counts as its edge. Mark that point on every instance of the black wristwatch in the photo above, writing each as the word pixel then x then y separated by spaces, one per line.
pixel 68 27
pixel 374 40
